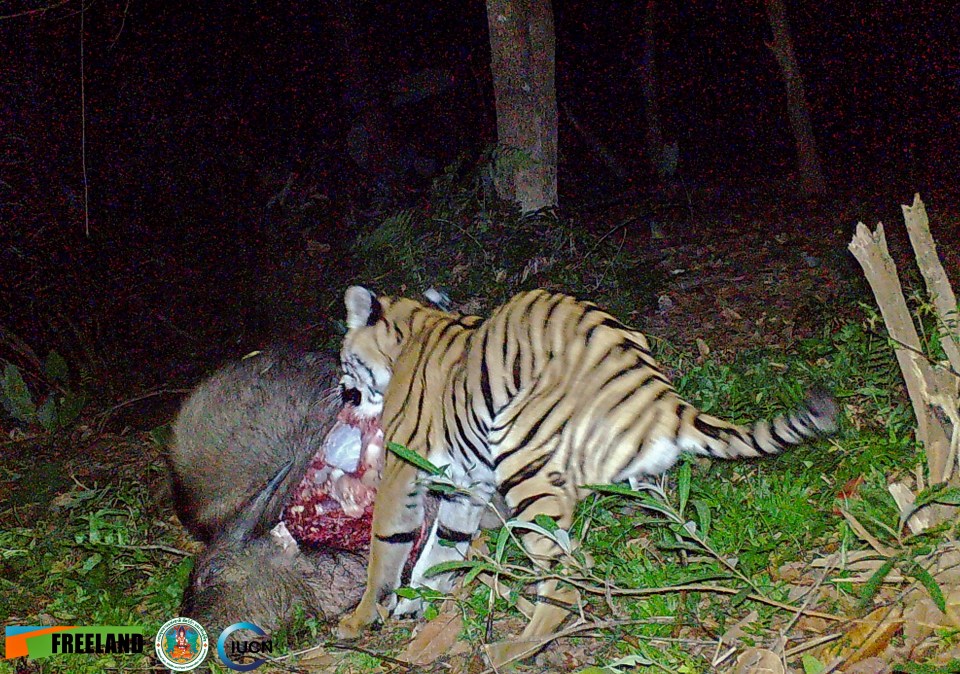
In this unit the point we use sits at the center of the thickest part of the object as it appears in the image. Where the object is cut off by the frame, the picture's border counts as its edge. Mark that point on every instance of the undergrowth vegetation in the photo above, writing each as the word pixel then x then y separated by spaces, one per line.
pixel 482 252
pixel 668 572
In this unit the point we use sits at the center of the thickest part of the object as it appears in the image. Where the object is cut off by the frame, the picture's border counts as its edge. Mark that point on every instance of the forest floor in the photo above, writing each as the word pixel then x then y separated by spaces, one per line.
pixel 793 565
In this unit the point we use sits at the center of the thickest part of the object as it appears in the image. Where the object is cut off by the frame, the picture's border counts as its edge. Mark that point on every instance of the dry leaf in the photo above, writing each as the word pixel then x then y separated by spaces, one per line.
pixel 869 637
pixel 953 607
pixel 316 658
pixel 730 314
pixel 703 348
pixel 813 624
pixel 735 633
pixel 869 666
pixel 947 568
pixel 791 572
pixel 921 617
pixel 905 499
pixel 436 639
pixel 866 536
pixel 758 661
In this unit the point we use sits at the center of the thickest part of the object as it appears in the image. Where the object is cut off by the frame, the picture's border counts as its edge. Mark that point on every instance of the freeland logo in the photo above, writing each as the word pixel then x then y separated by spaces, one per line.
pixel 40 642
pixel 237 648
pixel 96 642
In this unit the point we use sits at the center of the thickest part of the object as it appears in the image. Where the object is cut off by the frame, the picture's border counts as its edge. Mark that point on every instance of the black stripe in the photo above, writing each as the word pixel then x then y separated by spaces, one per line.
pixel 485 377
pixel 527 502
pixel 535 296
pixel 792 422
pixel 525 473
pixel 517 371
pixel 361 365
pixel 661 393
pixel 402 537
pixel 661 377
pixel 702 426
pixel 617 375
pixel 462 437
pixel 611 322
pixel 452 445
pixel 777 438
pixel 527 323
pixel 426 356
pixel 589 308
pixel 555 302
pixel 626 396
pixel 452 535
pixel 447 327
pixel 409 439
pixel 529 436
pixel 479 426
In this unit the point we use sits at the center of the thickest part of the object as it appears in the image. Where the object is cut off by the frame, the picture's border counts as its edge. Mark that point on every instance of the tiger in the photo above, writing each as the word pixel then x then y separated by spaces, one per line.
pixel 546 395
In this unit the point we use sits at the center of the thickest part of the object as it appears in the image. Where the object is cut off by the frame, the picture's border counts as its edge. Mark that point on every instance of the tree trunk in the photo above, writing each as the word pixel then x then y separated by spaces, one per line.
pixel 523 62
pixel 808 156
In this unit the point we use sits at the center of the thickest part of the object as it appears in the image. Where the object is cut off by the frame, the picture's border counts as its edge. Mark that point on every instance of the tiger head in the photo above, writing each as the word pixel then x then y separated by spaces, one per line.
pixel 377 328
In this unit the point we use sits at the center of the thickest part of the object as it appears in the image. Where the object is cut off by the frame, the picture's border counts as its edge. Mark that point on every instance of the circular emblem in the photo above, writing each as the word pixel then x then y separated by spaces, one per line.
pixel 182 644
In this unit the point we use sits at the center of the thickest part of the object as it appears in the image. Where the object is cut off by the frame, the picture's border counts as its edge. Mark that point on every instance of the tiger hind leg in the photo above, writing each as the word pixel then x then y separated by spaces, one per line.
pixel 398 515
pixel 555 603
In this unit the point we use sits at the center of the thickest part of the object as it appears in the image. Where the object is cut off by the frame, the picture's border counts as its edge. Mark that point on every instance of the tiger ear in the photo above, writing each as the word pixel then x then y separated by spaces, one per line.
pixel 363 307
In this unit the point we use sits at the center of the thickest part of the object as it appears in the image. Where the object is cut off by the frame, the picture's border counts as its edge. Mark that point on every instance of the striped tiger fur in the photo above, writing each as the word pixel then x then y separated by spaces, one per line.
pixel 547 394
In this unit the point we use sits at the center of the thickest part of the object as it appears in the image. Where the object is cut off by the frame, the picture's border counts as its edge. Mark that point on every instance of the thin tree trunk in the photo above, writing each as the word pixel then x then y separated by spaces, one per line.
pixel 523 63
pixel 808 156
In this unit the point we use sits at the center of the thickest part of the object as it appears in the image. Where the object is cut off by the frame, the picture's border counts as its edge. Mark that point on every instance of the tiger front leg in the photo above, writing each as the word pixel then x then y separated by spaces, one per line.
pixel 397 520
pixel 457 522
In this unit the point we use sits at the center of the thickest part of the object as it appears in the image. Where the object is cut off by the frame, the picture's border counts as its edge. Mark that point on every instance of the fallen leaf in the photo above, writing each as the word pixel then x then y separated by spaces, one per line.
pixel 869 637
pixel 813 624
pixel 436 639
pixel 316 658
pixel 869 666
pixel 920 521
pixel 921 617
pixel 758 661
pixel 736 632
pixel 866 536
pixel 851 489
pixel 953 607
pixel 730 314
pixel 791 572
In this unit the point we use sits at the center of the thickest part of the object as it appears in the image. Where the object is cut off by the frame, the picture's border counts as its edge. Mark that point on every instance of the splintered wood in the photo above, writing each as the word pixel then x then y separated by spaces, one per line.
pixel 932 386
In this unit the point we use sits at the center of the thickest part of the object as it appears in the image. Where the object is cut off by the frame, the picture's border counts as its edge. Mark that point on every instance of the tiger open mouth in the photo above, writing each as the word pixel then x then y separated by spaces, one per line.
pixel 333 504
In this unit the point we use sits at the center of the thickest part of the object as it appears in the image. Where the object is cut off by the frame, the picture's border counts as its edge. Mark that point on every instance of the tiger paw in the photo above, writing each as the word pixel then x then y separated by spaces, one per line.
pixel 350 627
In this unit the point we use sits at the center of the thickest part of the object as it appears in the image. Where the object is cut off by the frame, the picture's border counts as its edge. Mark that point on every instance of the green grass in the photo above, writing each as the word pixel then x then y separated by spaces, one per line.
pixel 92 557
pixel 89 559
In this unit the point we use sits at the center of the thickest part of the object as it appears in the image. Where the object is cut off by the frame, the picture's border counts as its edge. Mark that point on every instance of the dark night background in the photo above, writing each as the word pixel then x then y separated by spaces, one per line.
pixel 198 114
